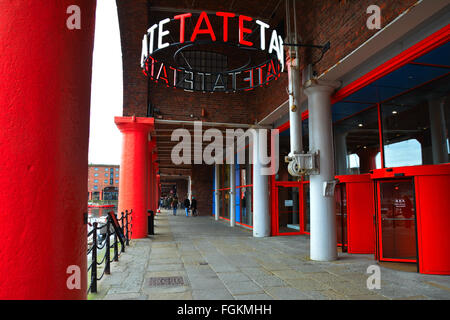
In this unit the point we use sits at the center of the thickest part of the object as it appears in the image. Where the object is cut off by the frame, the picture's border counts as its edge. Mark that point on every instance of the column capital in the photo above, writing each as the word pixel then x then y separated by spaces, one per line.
pixel 315 85
pixel 132 124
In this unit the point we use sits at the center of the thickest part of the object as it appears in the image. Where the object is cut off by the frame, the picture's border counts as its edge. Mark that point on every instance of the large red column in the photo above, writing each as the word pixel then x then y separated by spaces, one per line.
pixel 45 100
pixel 133 181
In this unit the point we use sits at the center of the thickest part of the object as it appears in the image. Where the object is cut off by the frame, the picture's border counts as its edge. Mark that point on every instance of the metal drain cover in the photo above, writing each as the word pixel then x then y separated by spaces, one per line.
pixel 203 263
pixel 165 281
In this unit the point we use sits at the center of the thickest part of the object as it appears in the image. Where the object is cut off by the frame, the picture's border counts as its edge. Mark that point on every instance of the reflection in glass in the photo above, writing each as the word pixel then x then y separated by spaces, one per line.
pixel 341 215
pixel 398 215
pixel 415 126
pixel 357 143
pixel 288 209
pixel 246 205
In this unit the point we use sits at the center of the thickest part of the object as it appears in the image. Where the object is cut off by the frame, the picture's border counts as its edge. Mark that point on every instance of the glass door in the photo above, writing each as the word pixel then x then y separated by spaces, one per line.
pixel 288 209
pixel 396 221
pixel 341 216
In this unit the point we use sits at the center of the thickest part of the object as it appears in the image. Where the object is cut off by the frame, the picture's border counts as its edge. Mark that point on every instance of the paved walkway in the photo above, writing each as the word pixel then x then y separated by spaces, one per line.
pixel 218 262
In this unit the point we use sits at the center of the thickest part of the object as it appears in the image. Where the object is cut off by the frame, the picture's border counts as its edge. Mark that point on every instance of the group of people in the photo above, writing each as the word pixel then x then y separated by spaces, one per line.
pixel 171 202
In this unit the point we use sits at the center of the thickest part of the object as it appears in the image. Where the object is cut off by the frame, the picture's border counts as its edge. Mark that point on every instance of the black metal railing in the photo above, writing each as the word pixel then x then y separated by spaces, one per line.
pixel 102 246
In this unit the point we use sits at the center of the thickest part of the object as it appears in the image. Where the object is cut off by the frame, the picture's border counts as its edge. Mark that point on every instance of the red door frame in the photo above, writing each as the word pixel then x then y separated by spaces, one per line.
pixel 275 207
pixel 274 195
pixel 344 244
pixel 379 244
pixel 423 47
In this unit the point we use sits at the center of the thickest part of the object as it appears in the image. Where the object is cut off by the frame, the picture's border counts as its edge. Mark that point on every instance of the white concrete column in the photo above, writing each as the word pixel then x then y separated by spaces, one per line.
pixel 340 142
pixel 438 131
pixel 216 193
pixel 295 117
pixel 323 242
pixel 232 196
pixel 261 216
pixel 189 188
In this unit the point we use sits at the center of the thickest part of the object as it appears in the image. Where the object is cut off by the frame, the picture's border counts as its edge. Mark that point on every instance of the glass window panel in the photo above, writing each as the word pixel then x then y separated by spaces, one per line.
pixel 245 194
pixel 288 209
pixel 357 143
pixel 285 148
pixel 341 214
pixel 415 126
pixel 398 228
pixel 306 210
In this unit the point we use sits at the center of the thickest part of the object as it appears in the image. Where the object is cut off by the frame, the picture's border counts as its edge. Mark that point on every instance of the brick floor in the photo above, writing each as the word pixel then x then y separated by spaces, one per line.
pixel 222 263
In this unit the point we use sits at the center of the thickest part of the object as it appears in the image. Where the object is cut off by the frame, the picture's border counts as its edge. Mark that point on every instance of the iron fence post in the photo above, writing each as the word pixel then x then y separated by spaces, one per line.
pixel 131 223
pixel 94 260
pixel 116 247
pixel 108 249
pixel 128 237
pixel 123 230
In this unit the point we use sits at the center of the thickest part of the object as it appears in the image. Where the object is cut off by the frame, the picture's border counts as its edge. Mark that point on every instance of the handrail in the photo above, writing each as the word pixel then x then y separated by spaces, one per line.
pixel 96 248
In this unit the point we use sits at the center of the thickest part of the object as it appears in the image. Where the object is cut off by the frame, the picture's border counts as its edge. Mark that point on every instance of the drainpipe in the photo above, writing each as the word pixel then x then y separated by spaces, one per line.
pixel 294 86
pixel 295 118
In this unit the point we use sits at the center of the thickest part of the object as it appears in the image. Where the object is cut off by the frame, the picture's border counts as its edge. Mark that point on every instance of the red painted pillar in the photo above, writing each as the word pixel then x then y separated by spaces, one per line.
pixel 45 99
pixel 133 182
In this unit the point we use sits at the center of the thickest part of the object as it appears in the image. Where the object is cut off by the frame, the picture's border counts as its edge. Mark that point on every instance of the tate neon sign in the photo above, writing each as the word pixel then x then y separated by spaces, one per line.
pixel 158 40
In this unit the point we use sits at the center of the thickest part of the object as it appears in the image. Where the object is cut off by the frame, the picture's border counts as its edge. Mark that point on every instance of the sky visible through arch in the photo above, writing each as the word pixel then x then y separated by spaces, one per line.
pixel 105 141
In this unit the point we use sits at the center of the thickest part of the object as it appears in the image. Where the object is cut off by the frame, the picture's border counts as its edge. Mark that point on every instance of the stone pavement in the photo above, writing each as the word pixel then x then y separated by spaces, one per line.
pixel 218 262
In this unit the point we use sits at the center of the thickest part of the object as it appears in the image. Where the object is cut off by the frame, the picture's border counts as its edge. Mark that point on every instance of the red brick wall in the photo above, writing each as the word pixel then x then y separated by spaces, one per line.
pixel 343 23
pixel 133 22
pixel 182 190
pixel 101 177
pixel 202 188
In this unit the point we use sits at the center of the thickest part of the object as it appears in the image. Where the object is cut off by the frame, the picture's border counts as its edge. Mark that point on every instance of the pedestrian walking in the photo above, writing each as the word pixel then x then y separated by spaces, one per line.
pixel 194 206
pixel 187 205
pixel 175 206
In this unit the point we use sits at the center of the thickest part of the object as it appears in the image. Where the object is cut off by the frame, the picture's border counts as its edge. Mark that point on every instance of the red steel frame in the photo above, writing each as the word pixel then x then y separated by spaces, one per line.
pixel 428 44
pixel 274 195
pixel 379 246
pixel 222 199
pixel 408 56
